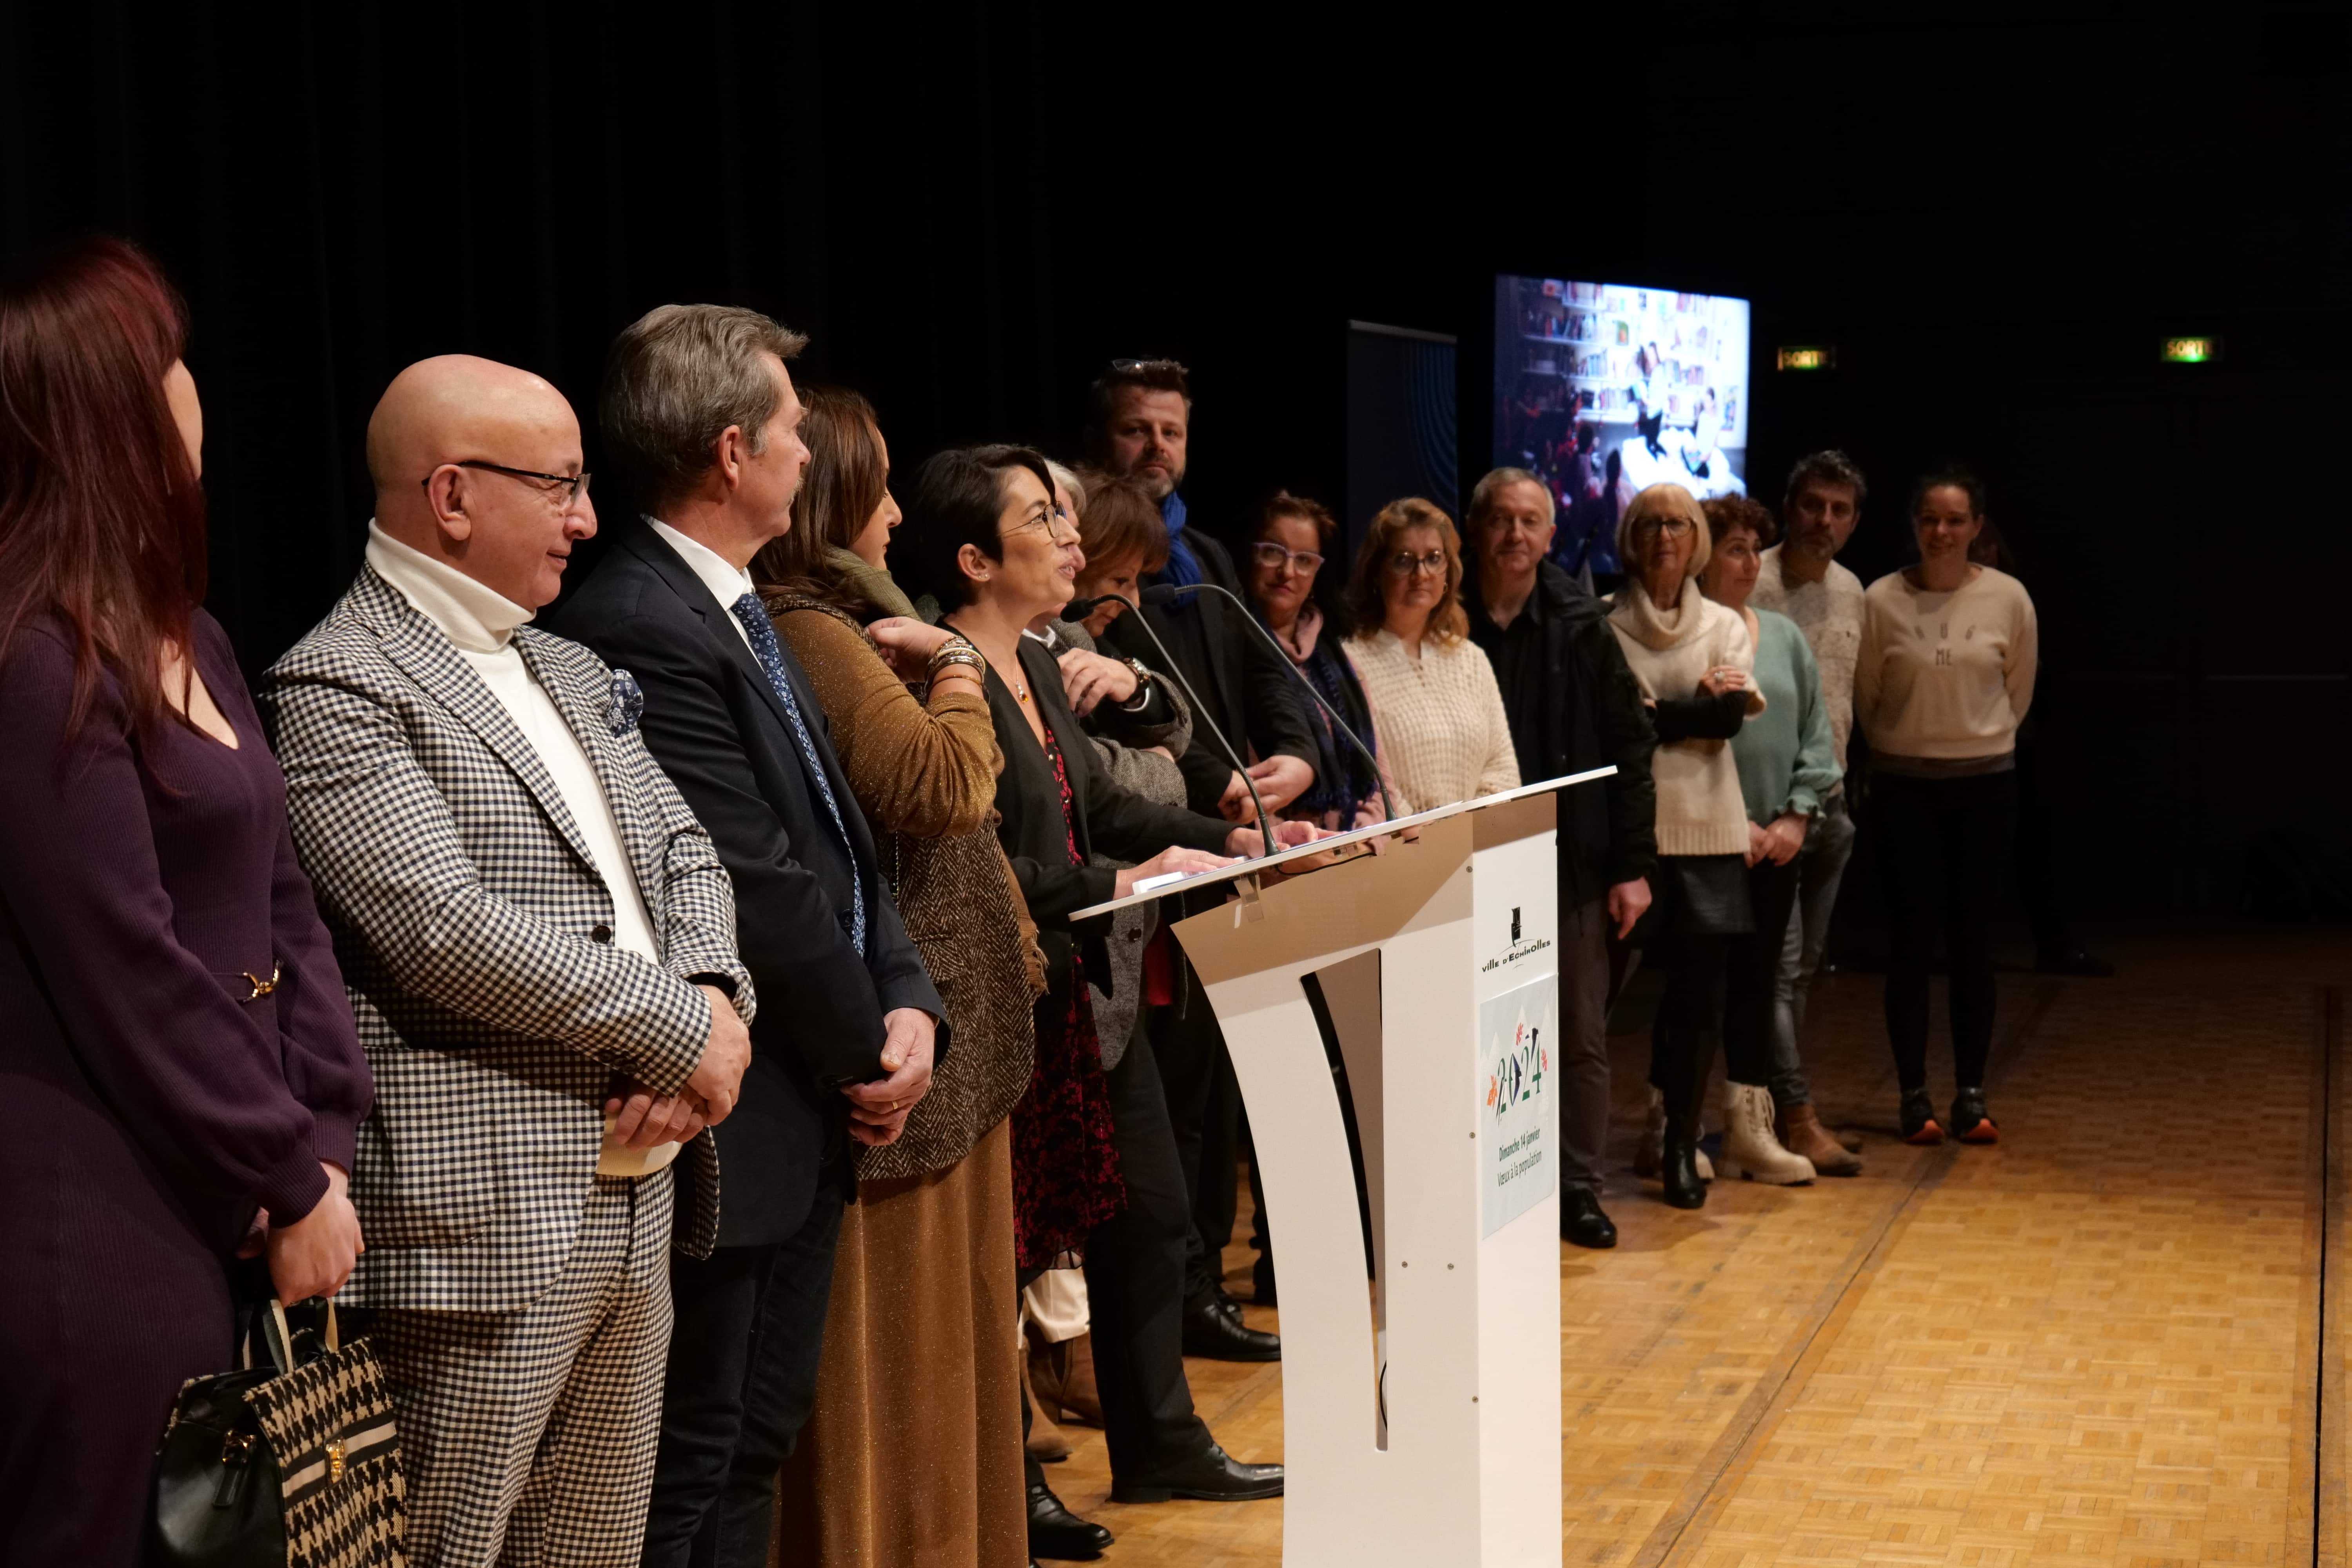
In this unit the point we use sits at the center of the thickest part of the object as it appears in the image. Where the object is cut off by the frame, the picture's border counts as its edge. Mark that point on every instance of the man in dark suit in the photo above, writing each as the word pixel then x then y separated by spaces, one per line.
pixel 697 406
pixel 1142 428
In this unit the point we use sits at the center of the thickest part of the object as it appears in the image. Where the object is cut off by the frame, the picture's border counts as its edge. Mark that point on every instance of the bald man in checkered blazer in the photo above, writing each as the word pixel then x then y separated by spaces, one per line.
pixel 539 941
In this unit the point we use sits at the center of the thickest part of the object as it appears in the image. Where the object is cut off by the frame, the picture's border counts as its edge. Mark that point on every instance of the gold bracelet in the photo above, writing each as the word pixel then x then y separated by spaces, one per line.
pixel 960 655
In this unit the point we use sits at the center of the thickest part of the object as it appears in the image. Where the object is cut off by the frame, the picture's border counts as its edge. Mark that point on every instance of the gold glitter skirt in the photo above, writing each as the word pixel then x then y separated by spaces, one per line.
pixel 913 1455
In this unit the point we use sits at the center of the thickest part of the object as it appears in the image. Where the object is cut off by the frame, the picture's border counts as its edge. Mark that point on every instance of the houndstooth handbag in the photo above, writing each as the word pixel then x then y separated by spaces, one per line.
pixel 295 1463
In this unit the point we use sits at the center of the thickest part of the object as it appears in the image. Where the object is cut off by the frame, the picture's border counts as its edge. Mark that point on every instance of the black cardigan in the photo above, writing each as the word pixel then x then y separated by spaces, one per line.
pixel 1574 706
pixel 1107 817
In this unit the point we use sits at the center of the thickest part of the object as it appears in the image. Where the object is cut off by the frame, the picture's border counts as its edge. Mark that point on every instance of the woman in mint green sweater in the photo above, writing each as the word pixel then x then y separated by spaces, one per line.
pixel 1787 768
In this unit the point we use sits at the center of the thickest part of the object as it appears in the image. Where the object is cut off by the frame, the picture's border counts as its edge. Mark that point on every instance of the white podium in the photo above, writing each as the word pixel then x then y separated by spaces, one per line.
pixel 1421 1414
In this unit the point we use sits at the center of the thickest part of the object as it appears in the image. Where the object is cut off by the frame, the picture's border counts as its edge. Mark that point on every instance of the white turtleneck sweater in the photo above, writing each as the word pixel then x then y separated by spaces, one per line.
pixel 481 623
pixel 1700 808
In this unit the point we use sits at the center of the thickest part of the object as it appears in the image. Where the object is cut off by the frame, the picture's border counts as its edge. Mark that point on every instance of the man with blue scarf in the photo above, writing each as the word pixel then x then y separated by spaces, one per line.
pixel 1142 419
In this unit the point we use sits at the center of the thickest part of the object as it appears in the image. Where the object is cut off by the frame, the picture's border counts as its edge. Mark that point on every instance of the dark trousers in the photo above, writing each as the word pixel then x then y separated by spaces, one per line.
pixel 1941 846
pixel 1689 1029
pixel 1135 1283
pixel 741 1379
pixel 1203 1111
pixel 1583 1065
pixel 1751 975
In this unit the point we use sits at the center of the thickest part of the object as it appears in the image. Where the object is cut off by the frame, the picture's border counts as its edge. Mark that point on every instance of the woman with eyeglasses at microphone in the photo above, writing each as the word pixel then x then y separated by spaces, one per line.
pixel 1286 561
pixel 1443 732
pixel 984 536
pixel 1138 732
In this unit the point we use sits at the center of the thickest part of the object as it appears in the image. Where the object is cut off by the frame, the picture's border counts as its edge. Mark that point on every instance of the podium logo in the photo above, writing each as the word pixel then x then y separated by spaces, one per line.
pixel 1521 945
pixel 1519 1072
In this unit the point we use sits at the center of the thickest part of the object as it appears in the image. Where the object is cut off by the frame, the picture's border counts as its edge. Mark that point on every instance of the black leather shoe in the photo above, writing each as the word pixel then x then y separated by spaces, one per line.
pixel 1582 1221
pixel 1214 1477
pixel 1678 1173
pixel 1213 1330
pixel 1054 1532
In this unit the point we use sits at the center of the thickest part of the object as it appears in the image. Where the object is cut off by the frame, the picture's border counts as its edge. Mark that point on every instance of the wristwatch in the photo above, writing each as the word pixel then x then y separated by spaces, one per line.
pixel 1143 677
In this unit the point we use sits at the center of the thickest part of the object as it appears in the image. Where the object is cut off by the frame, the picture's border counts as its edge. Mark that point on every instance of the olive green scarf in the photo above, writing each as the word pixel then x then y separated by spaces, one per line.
pixel 872 583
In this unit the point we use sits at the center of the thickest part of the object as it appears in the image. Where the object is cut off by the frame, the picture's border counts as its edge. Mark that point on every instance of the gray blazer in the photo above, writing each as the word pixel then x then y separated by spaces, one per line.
pixel 475 936
pixel 1131 765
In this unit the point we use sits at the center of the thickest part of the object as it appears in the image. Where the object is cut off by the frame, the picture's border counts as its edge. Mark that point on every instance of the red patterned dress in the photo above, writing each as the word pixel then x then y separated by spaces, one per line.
pixel 1066 1177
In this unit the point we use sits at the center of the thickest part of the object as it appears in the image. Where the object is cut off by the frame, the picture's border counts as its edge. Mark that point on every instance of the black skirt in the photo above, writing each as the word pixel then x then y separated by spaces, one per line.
pixel 1697 895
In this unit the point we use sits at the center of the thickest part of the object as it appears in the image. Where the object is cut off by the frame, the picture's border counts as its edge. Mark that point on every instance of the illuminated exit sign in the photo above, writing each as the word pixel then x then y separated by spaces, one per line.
pixel 1809 356
pixel 2191 351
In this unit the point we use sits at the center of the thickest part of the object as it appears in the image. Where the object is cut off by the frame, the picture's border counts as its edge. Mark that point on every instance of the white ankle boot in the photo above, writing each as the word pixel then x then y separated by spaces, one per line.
pixel 1646 1157
pixel 1750 1149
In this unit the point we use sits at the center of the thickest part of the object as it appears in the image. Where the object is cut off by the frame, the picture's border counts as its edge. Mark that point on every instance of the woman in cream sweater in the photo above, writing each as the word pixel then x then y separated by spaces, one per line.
pixel 1692 658
pixel 1943 680
pixel 1439 715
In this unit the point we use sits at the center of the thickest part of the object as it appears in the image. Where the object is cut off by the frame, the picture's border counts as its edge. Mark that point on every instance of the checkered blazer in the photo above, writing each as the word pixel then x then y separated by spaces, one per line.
pixel 475 937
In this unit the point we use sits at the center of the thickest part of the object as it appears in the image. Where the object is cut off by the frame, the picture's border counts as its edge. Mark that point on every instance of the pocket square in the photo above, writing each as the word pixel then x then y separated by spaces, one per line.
pixel 625 704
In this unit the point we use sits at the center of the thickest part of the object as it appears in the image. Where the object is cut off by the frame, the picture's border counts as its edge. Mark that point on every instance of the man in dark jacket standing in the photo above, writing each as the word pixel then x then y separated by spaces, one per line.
pixel 698 407
pixel 1142 426
pixel 1574 706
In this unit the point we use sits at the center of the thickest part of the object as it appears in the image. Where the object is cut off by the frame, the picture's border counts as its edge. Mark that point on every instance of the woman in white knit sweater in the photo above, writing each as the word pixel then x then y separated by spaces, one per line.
pixel 1435 706
pixel 1692 659
pixel 1945 677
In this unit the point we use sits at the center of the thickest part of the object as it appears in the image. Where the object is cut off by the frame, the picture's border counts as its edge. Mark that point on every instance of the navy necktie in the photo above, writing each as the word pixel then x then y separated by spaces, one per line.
pixel 754 619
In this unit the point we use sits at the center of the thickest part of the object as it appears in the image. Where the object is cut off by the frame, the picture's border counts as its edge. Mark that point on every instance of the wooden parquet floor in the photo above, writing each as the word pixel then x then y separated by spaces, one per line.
pixel 2099 1345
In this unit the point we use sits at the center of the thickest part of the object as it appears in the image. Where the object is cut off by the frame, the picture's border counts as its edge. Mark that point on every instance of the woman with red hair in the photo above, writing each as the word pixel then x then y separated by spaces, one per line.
pixel 181 1075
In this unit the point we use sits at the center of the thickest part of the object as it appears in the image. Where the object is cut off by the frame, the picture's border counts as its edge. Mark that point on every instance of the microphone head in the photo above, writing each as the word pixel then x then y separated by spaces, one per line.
pixel 1160 593
pixel 1078 609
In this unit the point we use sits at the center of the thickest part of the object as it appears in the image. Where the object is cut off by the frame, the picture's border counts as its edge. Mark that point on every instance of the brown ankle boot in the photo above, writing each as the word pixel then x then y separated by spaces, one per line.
pixel 1061 1376
pixel 1046 1443
pixel 1800 1129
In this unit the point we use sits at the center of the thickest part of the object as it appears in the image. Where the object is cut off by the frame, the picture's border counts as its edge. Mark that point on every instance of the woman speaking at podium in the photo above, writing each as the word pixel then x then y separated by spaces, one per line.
pixel 984 537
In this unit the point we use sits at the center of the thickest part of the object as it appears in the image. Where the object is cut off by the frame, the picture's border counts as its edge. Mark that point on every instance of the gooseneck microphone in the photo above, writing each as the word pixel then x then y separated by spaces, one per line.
pixel 1164 592
pixel 1078 609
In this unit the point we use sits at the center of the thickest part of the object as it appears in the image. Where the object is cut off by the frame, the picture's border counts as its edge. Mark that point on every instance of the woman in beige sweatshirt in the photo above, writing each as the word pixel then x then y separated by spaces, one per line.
pixel 1692 659
pixel 1945 676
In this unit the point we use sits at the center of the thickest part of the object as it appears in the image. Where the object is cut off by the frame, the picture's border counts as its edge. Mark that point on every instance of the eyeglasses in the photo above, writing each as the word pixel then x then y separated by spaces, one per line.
pixel 574 485
pixel 1403 564
pixel 1655 527
pixel 1052 521
pixel 1282 558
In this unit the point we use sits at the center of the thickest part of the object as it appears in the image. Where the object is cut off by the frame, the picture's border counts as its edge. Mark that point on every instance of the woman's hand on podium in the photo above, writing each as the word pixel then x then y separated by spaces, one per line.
pixel 1245 843
pixel 1174 858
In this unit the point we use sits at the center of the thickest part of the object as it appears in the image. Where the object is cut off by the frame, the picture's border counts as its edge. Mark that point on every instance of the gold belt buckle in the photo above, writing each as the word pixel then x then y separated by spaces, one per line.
pixel 263 987
pixel 334 1459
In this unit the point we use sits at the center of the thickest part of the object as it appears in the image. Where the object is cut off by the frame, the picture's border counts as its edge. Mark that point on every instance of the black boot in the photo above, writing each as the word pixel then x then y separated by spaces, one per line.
pixel 1054 1532
pixel 1679 1169
pixel 1582 1221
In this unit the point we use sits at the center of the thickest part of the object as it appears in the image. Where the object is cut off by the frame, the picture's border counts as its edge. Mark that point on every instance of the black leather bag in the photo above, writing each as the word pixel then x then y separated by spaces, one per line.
pixel 295 1464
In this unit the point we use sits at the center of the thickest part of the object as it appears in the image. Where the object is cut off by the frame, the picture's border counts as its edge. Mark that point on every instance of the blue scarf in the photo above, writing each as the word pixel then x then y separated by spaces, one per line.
pixel 1184 568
